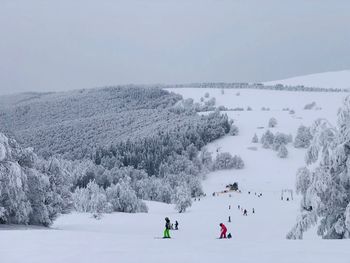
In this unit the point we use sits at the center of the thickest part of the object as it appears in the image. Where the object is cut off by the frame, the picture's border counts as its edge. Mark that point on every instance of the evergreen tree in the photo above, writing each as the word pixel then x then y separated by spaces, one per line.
pixel 255 139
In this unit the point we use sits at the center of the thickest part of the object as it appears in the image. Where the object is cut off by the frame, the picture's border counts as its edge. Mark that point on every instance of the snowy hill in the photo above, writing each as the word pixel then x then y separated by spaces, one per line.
pixel 258 237
pixel 335 79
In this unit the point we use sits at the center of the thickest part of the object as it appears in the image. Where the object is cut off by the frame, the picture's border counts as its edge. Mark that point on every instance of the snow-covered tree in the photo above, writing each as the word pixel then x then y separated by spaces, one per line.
pixel 124 199
pixel 347 217
pixel 322 138
pixel 234 130
pixel 119 198
pixel 206 158
pixel 195 187
pixel 238 162
pixel 210 103
pixel 282 151
pixel 325 183
pixel 29 194
pixel 165 192
pixel 182 198
pixel 303 137
pixel 223 161
pixel 14 202
pixel 206 95
pixel 267 139
pixel 280 139
pixel 303 180
pixel 90 199
pixel 60 184
pixel 255 139
pixel 272 123
pixel 226 161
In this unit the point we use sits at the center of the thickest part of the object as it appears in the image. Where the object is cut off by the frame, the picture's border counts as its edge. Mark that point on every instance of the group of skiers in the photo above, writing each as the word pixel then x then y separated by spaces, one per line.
pixel 169 226
pixel 244 211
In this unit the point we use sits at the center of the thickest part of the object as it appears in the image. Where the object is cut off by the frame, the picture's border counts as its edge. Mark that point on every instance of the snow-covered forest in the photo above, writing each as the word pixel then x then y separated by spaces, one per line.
pixel 32 190
pixel 118 146
pixel 74 123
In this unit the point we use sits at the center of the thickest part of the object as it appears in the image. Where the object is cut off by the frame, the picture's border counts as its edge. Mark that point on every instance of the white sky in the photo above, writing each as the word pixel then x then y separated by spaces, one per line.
pixel 70 44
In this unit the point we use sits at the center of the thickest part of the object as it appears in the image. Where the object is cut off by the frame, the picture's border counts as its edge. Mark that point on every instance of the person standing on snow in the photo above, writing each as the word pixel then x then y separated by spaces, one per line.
pixel 223 230
pixel 167 228
pixel 176 225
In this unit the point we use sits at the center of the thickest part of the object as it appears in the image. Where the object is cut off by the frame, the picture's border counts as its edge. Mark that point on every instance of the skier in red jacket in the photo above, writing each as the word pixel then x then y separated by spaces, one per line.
pixel 223 231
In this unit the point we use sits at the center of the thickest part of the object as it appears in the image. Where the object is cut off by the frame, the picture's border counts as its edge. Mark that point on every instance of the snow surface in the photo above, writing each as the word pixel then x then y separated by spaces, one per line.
pixel 335 79
pixel 259 237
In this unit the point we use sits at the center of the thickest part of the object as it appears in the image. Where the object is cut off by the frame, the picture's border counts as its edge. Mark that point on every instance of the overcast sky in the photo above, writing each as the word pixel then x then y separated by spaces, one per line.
pixel 71 44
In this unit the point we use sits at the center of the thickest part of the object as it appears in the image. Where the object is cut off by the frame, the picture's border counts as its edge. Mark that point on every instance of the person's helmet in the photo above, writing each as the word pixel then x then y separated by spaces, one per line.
pixel 220 224
pixel 166 219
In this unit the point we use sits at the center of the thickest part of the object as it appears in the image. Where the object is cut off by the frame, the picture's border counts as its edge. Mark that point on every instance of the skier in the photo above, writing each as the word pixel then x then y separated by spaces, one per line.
pixel 176 225
pixel 253 211
pixel 167 228
pixel 223 230
pixel 245 212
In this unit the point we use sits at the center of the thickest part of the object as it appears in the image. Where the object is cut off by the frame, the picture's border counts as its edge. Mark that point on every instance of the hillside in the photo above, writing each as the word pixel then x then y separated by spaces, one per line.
pixel 72 123
pixel 335 80
pixel 259 237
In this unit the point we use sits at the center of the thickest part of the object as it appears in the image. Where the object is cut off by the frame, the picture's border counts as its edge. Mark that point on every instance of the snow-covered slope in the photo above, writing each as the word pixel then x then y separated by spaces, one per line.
pixel 258 237
pixel 334 79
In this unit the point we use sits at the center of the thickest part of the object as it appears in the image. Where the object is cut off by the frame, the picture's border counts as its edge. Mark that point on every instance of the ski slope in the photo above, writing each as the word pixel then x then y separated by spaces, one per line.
pixel 259 237
pixel 333 79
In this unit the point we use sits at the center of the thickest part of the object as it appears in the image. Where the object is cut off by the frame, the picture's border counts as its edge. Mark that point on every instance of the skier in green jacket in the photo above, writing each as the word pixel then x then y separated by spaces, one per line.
pixel 167 228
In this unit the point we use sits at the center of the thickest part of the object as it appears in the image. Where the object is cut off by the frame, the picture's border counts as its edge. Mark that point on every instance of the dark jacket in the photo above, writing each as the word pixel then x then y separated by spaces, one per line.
pixel 167 224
